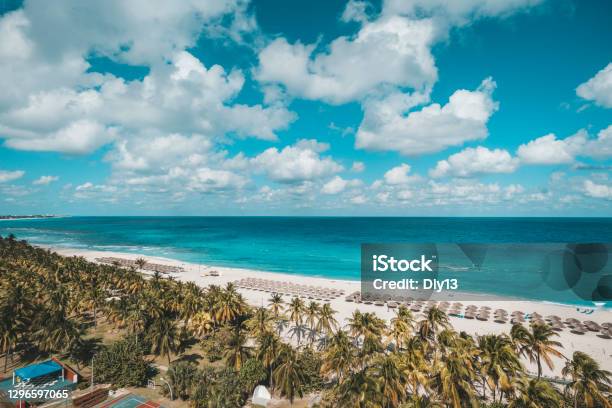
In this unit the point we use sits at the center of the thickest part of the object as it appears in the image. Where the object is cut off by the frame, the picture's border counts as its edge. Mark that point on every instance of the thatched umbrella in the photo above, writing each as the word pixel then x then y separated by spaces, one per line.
pixel 605 333
pixel 592 326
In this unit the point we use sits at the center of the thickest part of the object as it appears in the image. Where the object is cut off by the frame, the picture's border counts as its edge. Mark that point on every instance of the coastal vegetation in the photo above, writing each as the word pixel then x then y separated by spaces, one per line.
pixel 50 304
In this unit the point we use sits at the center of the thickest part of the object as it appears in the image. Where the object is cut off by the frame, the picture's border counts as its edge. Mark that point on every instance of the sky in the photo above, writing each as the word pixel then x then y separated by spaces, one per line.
pixel 269 107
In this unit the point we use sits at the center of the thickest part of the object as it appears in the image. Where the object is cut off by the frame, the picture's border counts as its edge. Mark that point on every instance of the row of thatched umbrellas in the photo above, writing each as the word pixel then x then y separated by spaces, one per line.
pixel 148 266
pixel 289 289
pixel 501 316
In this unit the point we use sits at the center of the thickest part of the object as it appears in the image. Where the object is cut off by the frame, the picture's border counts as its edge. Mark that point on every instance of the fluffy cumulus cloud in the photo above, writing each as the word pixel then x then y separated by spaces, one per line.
pixel 338 184
pixel 181 97
pixel 475 161
pixel 6 176
pixel 599 88
pixel 457 13
pixel 597 190
pixel 175 163
pixel 400 175
pixel 51 101
pixel 296 163
pixel 45 180
pixel 388 126
pixel 350 67
pixel 549 149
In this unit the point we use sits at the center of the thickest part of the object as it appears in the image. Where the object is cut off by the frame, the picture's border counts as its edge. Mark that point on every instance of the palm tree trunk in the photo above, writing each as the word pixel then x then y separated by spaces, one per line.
pixel 8 349
pixel 539 366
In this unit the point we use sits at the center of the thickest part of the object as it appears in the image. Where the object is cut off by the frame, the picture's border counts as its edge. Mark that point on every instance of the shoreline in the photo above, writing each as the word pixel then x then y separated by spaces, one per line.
pixel 589 342
pixel 461 296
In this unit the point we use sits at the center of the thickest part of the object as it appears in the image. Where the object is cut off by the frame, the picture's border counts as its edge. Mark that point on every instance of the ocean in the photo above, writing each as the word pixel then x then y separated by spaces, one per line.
pixel 318 246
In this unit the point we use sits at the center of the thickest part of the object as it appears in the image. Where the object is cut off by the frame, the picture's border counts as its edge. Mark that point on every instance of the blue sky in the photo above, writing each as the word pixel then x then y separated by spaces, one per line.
pixel 482 107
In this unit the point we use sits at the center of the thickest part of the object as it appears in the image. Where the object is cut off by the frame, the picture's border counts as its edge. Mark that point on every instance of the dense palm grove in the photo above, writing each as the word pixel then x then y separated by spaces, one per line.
pixel 49 304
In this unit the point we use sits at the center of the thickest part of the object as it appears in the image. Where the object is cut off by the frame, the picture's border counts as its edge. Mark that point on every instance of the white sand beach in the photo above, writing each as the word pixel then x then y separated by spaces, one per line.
pixel 590 342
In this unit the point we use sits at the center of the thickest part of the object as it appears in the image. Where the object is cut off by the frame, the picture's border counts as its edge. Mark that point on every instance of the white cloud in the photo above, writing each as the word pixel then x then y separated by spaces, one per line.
pixel 182 97
pixel 399 175
pixel 160 152
pixel 473 161
pixel 405 195
pixel 601 147
pixel 355 10
pixel 45 180
pixel 6 176
pixel 595 190
pixel 350 68
pixel 296 163
pixel 79 137
pixel 386 126
pixel 358 199
pixel 85 186
pixel 358 167
pixel 598 88
pixel 550 150
pixel 205 180
pixel 136 32
pixel 338 184
pixel 52 102
pixel 457 12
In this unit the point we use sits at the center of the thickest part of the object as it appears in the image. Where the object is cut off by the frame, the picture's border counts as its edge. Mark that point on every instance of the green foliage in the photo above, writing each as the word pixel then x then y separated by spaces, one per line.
pixel 122 364
pixel 211 346
pixel 251 374
pixel 182 376
pixel 312 362
pixel 218 389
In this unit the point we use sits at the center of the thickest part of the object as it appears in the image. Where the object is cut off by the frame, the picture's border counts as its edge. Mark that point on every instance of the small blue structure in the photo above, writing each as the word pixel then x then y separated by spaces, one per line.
pixel 35 371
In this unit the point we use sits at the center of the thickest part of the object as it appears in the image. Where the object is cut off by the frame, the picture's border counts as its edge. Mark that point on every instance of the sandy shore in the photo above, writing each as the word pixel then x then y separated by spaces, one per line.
pixel 599 348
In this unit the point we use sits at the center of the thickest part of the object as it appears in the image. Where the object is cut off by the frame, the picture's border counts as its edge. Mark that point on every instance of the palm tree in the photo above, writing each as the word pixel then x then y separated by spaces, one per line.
pixel 588 382
pixel 289 375
pixel 312 315
pixel 201 324
pixel 296 310
pixel 401 326
pixel 339 356
pixel 269 348
pixel 260 322
pixel 140 263
pixel 392 379
pixel 498 362
pixel 164 337
pixel 359 390
pixel 229 306
pixel 435 319
pixel 236 350
pixel 276 304
pixel 536 344
pixel 534 393
pixel 327 323
pixel 454 379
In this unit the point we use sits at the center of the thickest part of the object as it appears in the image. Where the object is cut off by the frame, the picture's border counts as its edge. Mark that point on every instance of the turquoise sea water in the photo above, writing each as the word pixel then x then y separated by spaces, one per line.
pixel 316 246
